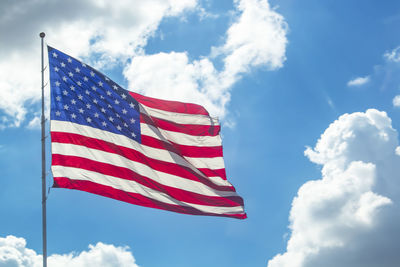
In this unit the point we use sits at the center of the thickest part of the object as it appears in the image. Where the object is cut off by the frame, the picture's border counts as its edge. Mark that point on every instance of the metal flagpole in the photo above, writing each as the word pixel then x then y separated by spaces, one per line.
pixel 44 232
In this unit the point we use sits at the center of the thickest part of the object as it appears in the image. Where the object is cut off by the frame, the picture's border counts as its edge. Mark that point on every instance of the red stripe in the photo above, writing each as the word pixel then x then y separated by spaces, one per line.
pixel 212 173
pixel 132 198
pixel 131 154
pixel 191 129
pixel 171 106
pixel 128 174
pixel 183 150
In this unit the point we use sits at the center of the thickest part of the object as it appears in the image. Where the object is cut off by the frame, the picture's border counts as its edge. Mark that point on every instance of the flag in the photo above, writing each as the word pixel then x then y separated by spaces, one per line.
pixel 145 151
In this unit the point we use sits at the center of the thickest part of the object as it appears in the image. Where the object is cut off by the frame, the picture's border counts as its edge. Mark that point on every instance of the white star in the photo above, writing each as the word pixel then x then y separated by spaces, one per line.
pixel 116 101
pixel 85 79
pixel 108 93
pixel 69 60
pixel 126 125
pixel 65 92
pixel 73 115
pixel 63 64
pixel 95 101
pixel 118 116
pixel 111 119
pixel 88 119
pixel 77 70
pixel 115 87
pixel 109 106
pixel 81 110
pixel 84 65
pixel 124 111
pixel 55 55
pixel 80 97
pixel 96 115
pixel 73 101
pixel 103 110
pixel 58 113
pixel 87 92
pixel 88 106
pixel 132 105
pixel 57 83
pixel 106 78
pixel 102 97
pixel 79 83
pixel 58 98
pixel 72 88
pixel 92 73
pixel 123 96
pixel 94 88
pixel 70 74
pixel 104 123
pixel 133 134
pixel 100 84
pixel 132 120
pixel 119 128
pixel 56 69
pixel 66 107
pixel 64 79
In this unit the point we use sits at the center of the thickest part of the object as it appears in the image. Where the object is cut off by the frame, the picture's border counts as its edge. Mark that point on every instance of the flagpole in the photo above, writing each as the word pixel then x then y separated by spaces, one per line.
pixel 44 232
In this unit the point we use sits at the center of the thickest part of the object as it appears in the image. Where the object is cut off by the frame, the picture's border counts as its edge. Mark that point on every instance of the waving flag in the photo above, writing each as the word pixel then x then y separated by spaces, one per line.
pixel 141 150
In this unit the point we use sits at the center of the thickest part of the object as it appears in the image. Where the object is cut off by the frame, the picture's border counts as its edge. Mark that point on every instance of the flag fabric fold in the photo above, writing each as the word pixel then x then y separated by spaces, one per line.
pixel 145 151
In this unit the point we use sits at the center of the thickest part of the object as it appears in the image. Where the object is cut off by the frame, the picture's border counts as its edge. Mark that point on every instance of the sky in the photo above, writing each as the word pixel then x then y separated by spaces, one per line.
pixel 308 93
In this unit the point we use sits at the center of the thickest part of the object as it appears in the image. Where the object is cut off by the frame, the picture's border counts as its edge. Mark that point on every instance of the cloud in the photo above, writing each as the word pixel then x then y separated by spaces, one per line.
pixel 34 123
pixel 257 38
pixel 358 81
pixel 101 32
pixel 351 216
pixel 394 55
pixel 385 76
pixel 396 101
pixel 13 252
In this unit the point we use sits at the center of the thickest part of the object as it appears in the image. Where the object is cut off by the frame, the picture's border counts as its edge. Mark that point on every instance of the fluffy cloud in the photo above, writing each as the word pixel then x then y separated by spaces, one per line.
pixel 396 101
pixel 101 30
pixel 358 81
pixel 257 38
pixel 350 217
pixel 13 252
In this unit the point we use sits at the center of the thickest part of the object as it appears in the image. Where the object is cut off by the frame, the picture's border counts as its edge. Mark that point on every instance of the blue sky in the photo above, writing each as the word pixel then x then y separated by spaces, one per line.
pixel 281 75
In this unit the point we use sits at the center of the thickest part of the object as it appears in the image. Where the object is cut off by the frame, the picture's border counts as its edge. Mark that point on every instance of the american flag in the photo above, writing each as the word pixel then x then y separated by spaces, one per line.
pixel 141 150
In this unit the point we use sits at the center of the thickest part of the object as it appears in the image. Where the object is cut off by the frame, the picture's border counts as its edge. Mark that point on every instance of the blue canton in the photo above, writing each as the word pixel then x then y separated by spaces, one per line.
pixel 81 94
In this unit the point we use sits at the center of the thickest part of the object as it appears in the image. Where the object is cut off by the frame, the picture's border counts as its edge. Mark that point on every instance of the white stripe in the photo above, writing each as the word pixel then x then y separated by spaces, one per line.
pixel 181 118
pixel 180 138
pixel 134 187
pixel 140 168
pixel 121 140
pixel 219 181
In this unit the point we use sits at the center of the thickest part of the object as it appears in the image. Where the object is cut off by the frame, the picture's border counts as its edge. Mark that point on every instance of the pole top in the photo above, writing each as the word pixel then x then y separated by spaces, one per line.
pixel 42 35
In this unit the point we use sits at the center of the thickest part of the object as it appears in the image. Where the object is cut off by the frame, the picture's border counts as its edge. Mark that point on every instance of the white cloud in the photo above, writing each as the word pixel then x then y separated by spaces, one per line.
pixel 257 38
pixel 397 150
pixel 358 81
pixel 109 31
pixel 351 216
pixel 393 55
pixel 13 252
pixel 34 123
pixel 396 101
